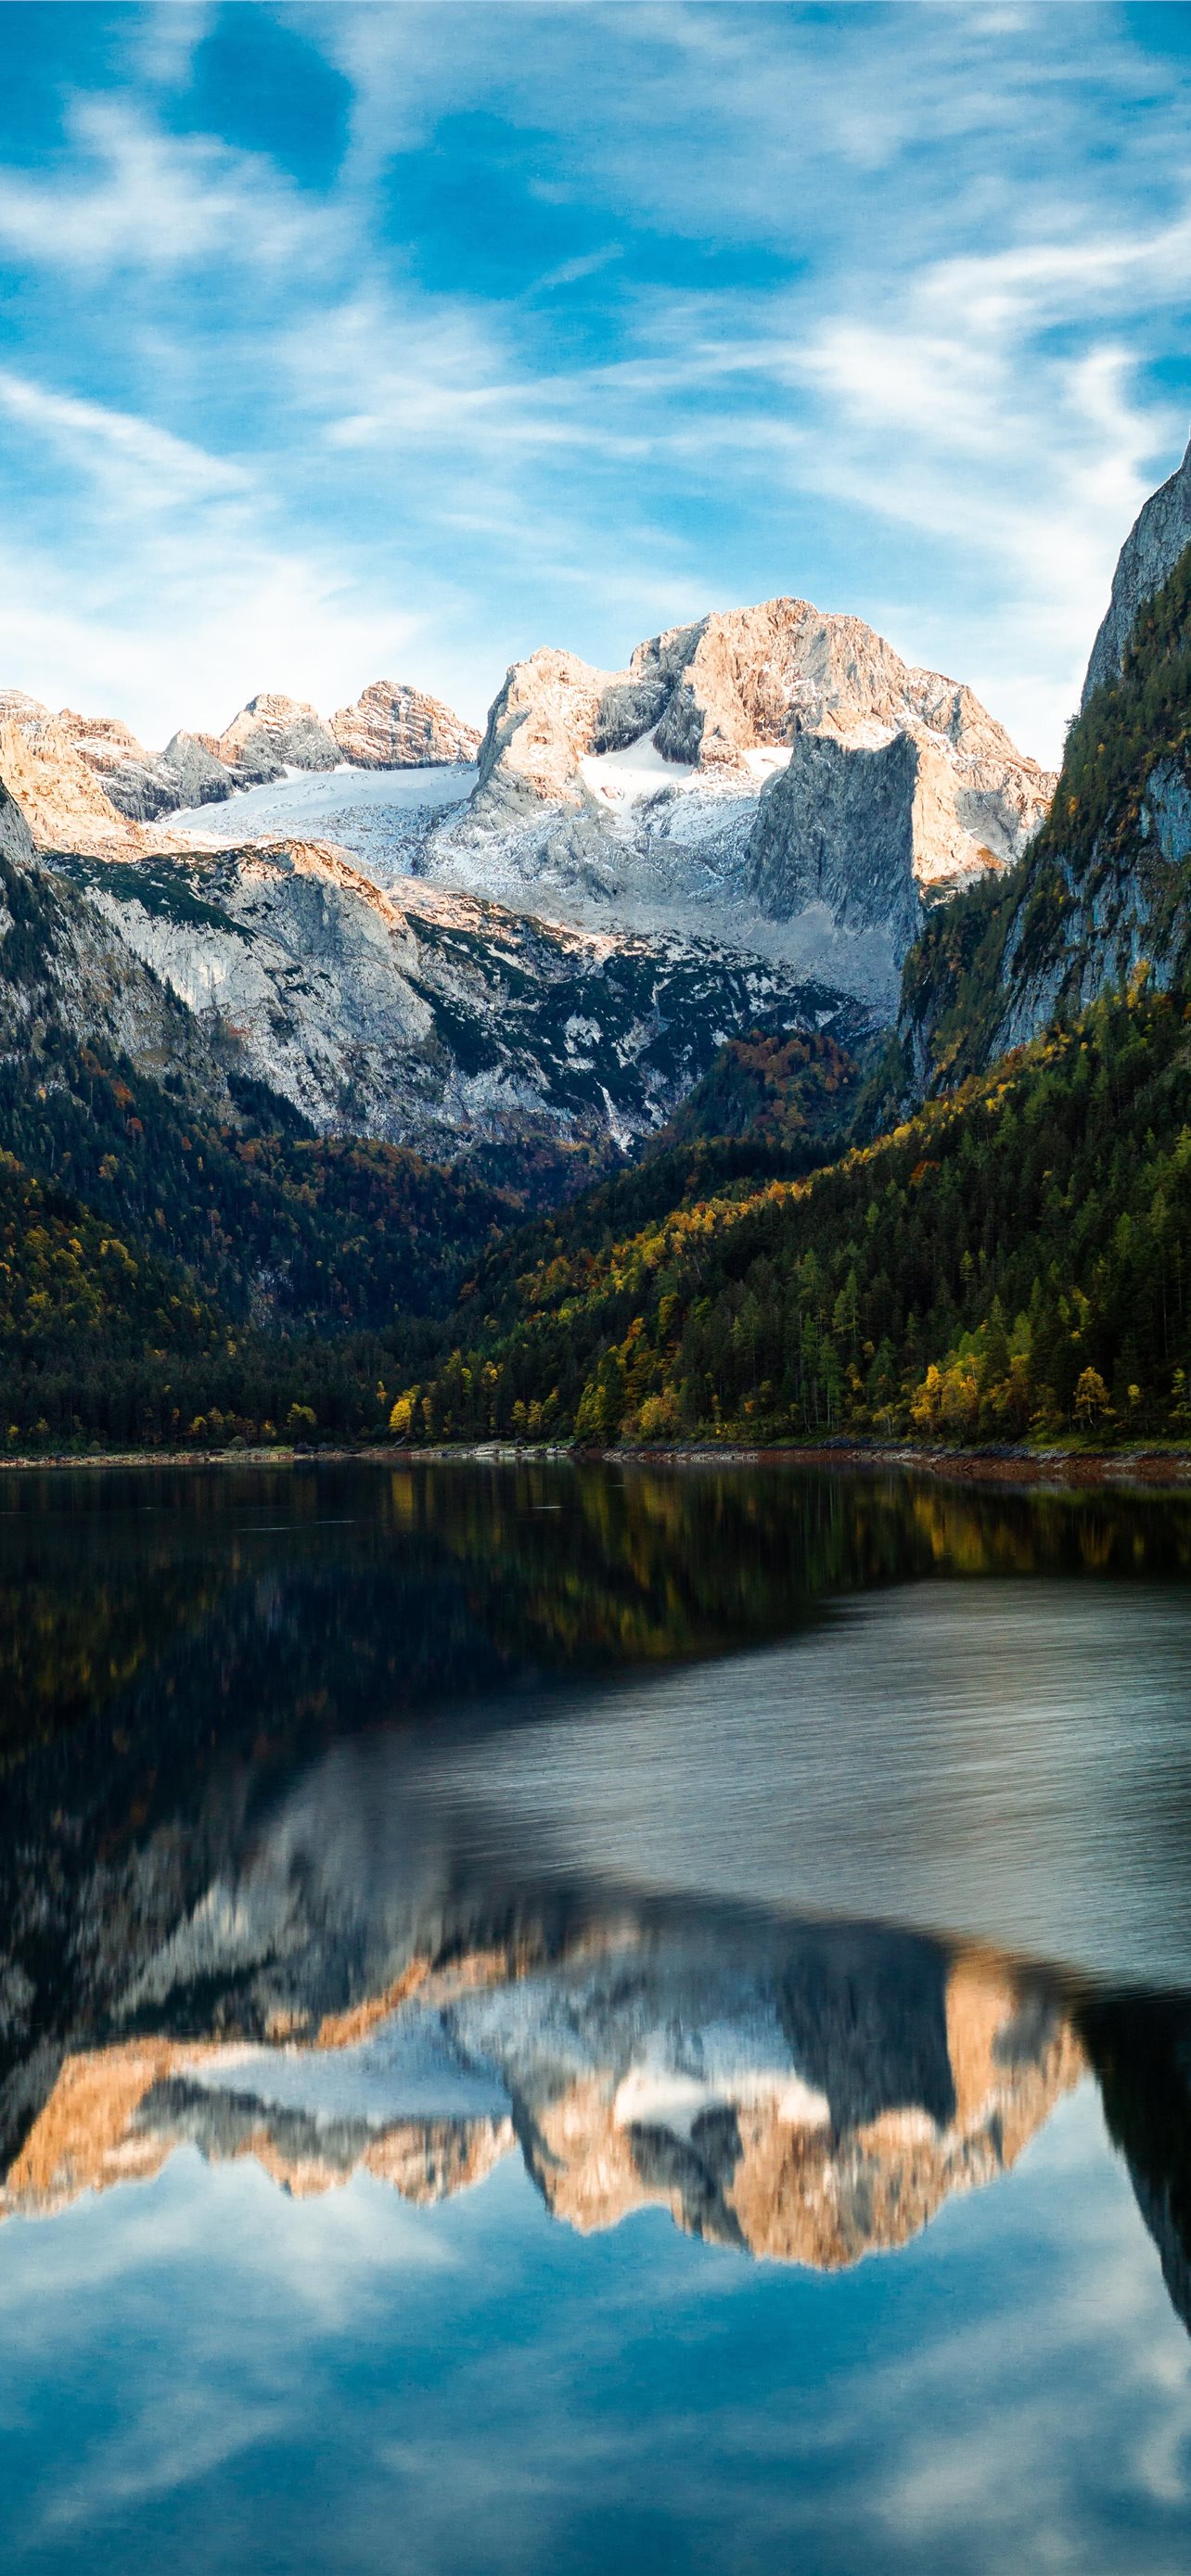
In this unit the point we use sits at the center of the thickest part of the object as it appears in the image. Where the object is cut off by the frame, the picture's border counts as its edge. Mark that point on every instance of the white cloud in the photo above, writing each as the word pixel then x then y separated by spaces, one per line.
pixel 959 414
pixel 246 616
pixel 980 251
pixel 180 545
pixel 133 195
pixel 148 465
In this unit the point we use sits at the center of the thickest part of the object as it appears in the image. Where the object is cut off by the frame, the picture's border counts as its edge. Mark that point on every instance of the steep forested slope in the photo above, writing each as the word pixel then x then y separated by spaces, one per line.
pixel 280 1225
pixel 1014 1258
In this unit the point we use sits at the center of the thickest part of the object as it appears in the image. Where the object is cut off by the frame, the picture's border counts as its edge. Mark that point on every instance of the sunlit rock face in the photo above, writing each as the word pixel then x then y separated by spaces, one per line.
pixel 79 777
pixel 1150 552
pixel 137 784
pixel 86 785
pixel 272 733
pixel 394 726
pixel 61 795
pixel 767 766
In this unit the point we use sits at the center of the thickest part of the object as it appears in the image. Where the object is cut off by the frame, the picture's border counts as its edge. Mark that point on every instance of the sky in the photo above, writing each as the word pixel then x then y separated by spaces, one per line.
pixel 342 341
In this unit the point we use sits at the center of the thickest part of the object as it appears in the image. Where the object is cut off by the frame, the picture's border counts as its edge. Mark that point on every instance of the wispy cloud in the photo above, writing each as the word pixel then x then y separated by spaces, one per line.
pixel 131 194
pixel 680 304
pixel 151 468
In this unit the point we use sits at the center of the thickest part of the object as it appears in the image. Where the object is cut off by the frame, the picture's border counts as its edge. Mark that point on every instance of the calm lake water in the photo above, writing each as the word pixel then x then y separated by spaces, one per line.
pixel 561 2019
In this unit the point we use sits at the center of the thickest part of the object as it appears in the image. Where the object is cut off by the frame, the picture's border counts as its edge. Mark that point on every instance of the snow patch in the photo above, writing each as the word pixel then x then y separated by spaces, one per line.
pixel 624 777
pixel 382 816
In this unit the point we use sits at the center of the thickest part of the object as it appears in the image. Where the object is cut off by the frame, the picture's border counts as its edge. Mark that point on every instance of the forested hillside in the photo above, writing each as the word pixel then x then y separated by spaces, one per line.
pixel 168 1276
pixel 279 1225
pixel 1013 1260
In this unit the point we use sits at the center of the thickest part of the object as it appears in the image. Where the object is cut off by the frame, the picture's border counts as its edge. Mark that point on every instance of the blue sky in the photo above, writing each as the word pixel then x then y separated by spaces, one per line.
pixel 343 340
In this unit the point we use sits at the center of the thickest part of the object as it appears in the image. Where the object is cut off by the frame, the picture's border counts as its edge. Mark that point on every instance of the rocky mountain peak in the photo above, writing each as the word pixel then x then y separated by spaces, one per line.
pixel 57 790
pixel 17 707
pixel 540 725
pixel 1150 552
pixel 138 783
pixel 85 783
pixel 52 757
pixel 776 773
pixel 712 696
pixel 394 726
pixel 272 733
pixel 200 776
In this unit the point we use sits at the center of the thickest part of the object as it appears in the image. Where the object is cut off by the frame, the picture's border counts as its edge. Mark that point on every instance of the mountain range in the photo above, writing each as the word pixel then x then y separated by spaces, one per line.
pixel 391 726
pixel 643 904
pixel 743 828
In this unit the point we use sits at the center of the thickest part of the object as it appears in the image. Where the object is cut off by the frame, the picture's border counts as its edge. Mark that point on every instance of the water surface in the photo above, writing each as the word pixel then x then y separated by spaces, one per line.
pixel 560 2018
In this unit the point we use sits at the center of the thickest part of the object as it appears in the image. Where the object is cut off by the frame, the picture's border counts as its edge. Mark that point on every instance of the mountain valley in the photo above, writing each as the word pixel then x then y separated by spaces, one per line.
pixel 694 881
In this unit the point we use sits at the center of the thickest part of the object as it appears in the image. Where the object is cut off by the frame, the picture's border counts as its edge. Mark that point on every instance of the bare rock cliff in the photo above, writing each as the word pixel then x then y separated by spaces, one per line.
pixel 273 733
pixel 428 1019
pixel 1149 555
pixel 1102 899
pixel 770 766
pixel 394 726
pixel 134 780
pixel 198 774
pixel 61 797
pixel 540 725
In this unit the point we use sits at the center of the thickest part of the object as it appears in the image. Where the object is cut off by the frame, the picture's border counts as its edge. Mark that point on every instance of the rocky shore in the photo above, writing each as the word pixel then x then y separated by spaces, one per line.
pixel 1154 1468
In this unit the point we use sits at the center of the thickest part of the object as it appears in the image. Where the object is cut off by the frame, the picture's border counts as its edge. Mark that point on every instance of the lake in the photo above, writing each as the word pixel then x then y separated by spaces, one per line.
pixel 561 2018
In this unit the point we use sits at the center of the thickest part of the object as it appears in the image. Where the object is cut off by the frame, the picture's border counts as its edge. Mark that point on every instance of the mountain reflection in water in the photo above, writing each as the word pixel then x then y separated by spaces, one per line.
pixel 810 2093
pixel 352 1827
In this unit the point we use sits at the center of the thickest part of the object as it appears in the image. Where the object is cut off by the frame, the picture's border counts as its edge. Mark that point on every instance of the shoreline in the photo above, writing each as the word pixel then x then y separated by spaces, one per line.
pixel 1155 1470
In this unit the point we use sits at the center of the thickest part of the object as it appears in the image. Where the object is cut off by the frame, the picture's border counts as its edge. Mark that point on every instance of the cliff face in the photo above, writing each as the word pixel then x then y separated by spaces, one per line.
pixel 1102 897
pixel 60 794
pixel 428 1019
pixel 199 776
pixel 274 732
pixel 1150 552
pixel 137 784
pixel 394 726
pixel 61 972
pixel 16 839
pixel 775 774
